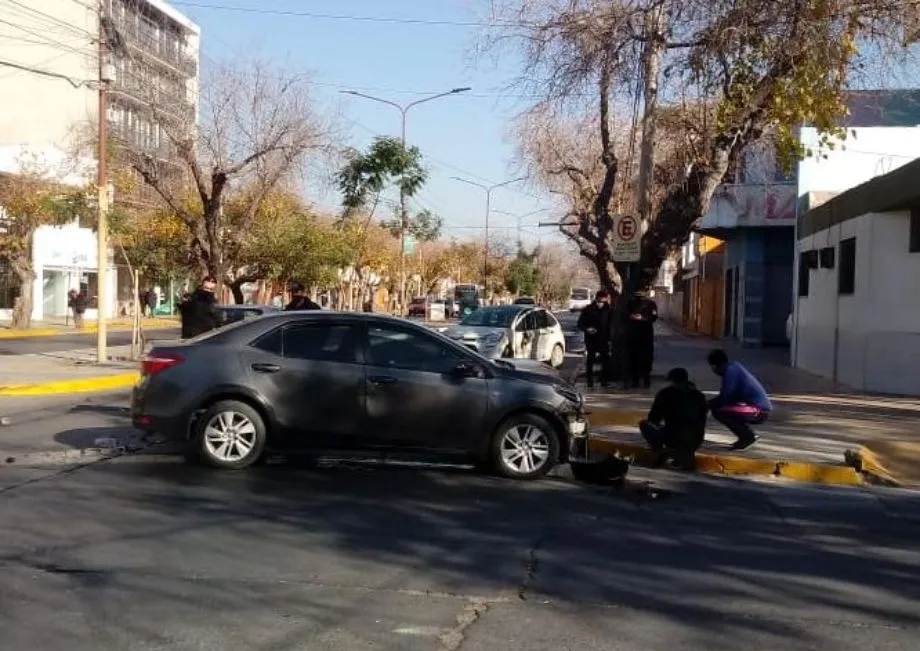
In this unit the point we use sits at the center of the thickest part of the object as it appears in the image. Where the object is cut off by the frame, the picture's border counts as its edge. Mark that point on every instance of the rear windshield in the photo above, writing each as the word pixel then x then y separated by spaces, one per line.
pixel 580 294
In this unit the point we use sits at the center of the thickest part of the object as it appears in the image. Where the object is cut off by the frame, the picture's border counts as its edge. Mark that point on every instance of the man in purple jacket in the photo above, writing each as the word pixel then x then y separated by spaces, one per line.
pixel 742 400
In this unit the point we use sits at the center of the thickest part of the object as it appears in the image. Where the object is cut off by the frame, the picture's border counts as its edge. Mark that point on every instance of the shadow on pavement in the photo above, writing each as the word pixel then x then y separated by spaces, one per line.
pixel 725 564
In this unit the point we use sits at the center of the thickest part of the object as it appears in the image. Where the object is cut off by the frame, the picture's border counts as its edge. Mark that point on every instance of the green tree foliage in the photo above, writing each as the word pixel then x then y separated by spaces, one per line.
pixel 522 276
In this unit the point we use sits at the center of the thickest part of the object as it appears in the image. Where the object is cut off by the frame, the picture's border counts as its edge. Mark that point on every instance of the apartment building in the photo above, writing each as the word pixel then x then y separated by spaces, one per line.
pixel 49 72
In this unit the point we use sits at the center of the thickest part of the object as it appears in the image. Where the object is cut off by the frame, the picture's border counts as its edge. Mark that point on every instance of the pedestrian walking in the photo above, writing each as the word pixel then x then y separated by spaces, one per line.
pixel 76 301
pixel 640 333
pixel 742 400
pixel 152 299
pixel 199 311
pixel 595 322
pixel 676 423
pixel 300 300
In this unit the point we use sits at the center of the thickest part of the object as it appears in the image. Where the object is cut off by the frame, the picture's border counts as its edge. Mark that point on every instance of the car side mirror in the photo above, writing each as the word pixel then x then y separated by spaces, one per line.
pixel 467 369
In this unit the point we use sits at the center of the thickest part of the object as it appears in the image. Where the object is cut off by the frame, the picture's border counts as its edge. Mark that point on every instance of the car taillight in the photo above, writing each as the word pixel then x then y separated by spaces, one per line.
pixel 154 363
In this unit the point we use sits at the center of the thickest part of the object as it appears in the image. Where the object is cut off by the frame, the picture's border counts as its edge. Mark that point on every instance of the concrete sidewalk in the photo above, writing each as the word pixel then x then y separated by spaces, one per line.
pixel 54 327
pixel 815 423
pixel 66 372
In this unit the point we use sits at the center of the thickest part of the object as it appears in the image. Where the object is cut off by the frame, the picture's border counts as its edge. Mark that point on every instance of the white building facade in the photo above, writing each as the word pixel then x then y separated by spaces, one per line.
pixel 858 319
pixel 54 109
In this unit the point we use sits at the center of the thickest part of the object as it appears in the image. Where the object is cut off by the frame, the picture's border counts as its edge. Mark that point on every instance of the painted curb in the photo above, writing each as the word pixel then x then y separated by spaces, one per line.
pixel 816 473
pixel 84 385
pixel 605 417
pixel 56 332
pixel 863 460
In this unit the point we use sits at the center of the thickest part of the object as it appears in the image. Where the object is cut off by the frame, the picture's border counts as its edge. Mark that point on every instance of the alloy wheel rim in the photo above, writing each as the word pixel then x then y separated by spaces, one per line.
pixel 525 449
pixel 230 436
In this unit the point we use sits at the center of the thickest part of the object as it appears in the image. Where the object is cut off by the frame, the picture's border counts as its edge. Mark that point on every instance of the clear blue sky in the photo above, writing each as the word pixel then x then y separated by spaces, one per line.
pixel 465 135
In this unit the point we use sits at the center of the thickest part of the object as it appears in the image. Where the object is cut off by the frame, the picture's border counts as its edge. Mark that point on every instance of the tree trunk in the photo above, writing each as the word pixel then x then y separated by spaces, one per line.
pixel 236 288
pixel 22 308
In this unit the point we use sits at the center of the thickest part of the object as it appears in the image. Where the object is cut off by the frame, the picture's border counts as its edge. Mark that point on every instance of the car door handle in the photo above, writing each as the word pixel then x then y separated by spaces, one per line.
pixel 379 380
pixel 265 368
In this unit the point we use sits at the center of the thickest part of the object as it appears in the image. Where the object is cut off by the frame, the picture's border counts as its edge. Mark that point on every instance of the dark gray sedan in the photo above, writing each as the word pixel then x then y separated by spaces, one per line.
pixel 332 382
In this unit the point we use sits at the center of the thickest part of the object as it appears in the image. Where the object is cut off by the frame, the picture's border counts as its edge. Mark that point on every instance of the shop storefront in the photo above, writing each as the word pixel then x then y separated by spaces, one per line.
pixel 64 258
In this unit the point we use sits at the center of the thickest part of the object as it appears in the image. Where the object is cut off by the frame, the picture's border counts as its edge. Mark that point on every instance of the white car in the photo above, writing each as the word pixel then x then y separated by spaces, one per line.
pixel 579 299
pixel 512 332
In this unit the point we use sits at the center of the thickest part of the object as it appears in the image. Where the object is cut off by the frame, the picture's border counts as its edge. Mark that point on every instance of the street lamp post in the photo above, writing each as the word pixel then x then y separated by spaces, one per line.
pixel 520 220
pixel 403 214
pixel 488 190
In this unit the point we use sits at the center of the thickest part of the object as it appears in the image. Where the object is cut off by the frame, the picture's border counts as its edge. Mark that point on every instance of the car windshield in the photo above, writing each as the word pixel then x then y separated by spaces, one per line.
pixel 580 294
pixel 492 317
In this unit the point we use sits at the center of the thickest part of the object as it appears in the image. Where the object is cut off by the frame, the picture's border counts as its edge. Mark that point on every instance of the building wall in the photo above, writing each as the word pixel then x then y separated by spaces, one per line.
pixel 39 110
pixel 762 258
pixel 868 152
pixel 869 340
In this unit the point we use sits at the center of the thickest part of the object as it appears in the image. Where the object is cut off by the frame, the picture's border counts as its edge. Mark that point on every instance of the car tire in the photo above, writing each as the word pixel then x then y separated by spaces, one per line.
pixel 525 447
pixel 557 357
pixel 231 435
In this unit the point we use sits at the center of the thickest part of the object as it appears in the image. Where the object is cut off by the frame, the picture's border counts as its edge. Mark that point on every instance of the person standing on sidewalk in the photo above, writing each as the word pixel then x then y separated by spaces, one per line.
pixel 742 400
pixel 300 300
pixel 595 322
pixel 676 423
pixel 640 332
pixel 199 312
pixel 76 301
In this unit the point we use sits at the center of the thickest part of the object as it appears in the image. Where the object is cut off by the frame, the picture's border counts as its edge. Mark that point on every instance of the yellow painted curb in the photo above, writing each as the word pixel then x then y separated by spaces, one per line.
pixel 718 464
pixel 868 462
pixel 89 329
pixel 85 385
pixel 605 417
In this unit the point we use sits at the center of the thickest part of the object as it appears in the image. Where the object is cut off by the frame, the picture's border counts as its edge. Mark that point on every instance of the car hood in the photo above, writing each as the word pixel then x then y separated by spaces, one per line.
pixel 473 333
pixel 529 370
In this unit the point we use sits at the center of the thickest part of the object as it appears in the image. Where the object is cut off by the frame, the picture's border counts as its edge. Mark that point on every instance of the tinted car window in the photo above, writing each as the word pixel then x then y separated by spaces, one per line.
pixel 527 322
pixel 322 343
pixel 395 347
pixel 315 342
pixel 541 320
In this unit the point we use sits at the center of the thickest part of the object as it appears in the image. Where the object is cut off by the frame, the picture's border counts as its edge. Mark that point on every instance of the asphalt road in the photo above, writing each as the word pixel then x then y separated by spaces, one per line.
pixel 145 552
pixel 74 341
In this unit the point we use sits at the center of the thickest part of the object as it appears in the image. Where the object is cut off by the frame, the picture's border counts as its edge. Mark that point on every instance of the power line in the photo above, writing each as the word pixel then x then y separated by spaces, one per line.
pixel 52 19
pixel 351 18
pixel 46 73
pixel 49 41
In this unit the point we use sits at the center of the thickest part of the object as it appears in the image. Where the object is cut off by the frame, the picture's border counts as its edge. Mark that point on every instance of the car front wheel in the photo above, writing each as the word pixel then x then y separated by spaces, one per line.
pixel 231 435
pixel 557 357
pixel 525 447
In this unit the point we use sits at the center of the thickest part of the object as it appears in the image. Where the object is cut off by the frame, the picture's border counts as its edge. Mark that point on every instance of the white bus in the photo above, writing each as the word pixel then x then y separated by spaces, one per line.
pixel 579 299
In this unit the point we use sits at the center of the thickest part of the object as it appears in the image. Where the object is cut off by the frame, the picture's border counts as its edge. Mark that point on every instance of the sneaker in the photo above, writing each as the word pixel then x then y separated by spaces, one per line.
pixel 744 445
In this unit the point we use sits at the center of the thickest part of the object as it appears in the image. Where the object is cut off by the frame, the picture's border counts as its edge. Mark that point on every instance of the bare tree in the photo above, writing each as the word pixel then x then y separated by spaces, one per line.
pixel 258 129
pixel 731 72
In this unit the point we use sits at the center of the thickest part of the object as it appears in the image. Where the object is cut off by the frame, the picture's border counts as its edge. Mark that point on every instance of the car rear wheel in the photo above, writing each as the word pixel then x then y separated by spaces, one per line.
pixel 231 435
pixel 525 447
pixel 557 357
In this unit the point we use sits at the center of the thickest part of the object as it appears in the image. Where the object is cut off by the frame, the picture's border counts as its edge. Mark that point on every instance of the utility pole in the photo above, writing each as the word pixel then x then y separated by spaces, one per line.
pixel 403 210
pixel 650 71
pixel 488 190
pixel 102 187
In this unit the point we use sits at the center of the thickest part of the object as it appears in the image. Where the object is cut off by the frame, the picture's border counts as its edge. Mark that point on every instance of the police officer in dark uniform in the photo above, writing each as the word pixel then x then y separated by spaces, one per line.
pixel 642 312
pixel 300 300
pixel 595 322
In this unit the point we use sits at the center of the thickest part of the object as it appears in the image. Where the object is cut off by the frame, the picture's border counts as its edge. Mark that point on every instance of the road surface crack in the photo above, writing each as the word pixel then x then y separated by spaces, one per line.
pixel 471 613
pixel 532 565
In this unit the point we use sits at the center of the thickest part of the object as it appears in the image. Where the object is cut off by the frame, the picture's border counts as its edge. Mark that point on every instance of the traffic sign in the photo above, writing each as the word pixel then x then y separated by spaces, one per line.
pixel 409 244
pixel 627 239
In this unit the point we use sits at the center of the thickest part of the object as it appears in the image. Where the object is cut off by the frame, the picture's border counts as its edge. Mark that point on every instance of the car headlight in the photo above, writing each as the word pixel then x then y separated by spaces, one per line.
pixel 569 393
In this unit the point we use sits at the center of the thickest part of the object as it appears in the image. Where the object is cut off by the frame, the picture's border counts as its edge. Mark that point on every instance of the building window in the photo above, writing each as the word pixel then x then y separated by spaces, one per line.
pixel 9 287
pixel 804 275
pixel 914 244
pixel 846 272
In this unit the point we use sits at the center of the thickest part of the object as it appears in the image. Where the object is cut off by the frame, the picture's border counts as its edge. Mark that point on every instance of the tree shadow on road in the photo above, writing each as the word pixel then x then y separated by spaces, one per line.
pixel 720 561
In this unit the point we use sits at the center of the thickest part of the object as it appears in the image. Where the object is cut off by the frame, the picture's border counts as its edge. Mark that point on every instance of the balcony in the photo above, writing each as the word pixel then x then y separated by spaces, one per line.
pixel 163 49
